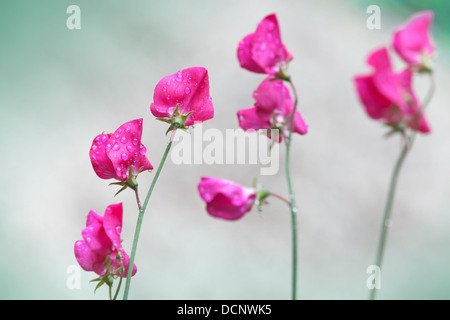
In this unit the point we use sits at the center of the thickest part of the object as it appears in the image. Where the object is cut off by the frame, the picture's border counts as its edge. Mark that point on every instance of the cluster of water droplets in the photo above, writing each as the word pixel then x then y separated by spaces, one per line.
pixel 119 147
pixel 180 87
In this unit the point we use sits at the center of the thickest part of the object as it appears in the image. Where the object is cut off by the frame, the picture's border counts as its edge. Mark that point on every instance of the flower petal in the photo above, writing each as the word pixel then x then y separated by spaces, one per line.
pixel 189 89
pixel 112 223
pixel 413 40
pixel 127 149
pixel 101 163
pixel 268 51
pixel 244 54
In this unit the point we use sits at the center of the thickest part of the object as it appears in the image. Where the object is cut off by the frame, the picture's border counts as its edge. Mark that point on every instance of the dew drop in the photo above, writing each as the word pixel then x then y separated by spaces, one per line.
pixel 116 147
pixel 135 141
pixel 130 148
pixel 179 77
pixel 143 150
pixel 123 140
pixel 124 157
pixel 187 90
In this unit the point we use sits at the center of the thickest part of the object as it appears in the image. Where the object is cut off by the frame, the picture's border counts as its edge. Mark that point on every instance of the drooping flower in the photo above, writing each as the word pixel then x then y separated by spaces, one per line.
pixel 263 51
pixel 389 96
pixel 116 155
pixel 272 109
pixel 413 41
pixel 226 199
pixel 182 99
pixel 101 249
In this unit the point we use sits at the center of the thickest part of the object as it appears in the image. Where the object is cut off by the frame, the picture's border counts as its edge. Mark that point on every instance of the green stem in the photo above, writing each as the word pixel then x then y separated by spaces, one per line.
pixel 388 209
pixel 140 218
pixel 293 206
pixel 408 143
pixel 120 281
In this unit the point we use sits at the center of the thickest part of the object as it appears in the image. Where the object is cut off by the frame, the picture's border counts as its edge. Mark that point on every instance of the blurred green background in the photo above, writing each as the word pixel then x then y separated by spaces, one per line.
pixel 59 88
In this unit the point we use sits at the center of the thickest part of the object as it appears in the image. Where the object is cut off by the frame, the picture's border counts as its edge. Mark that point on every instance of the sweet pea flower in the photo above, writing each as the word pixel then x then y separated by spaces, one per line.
pixel 388 96
pixel 101 247
pixel 226 199
pixel 272 109
pixel 413 41
pixel 183 99
pixel 263 50
pixel 120 155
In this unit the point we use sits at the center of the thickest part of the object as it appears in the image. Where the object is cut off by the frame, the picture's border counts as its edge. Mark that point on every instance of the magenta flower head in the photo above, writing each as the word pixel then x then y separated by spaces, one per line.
pixel 101 250
pixel 120 155
pixel 263 51
pixel 182 99
pixel 226 199
pixel 388 96
pixel 413 41
pixel 272 110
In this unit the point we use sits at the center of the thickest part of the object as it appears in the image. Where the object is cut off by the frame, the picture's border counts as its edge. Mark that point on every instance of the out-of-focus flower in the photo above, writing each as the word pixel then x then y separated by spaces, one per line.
pixel 101 250
pixel 263 51
pixel 226 199
pixel 182 99
pixel 120 155
pixel 272 110
pixel 388 96
pixel 413 41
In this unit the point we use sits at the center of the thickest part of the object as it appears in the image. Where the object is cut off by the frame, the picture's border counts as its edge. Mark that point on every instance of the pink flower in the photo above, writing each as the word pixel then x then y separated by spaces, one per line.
pixel 413 41
pixel 226 199
pixel 263 50
pixel 272 109
pixel 189 91
pixel 389 96
pixel 113 154
pixel 101 243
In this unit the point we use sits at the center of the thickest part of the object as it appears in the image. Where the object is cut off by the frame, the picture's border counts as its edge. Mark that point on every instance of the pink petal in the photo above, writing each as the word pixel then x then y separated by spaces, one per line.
pixel 127 150
pixel 250 119
pixel 272 95
pixel 189 89
pixel 112 223
pixel 244 55
pixel 413 40
pixel 96 238
pixel 268 51
pixel 83 255
pixel 226 199
pixel 300 126
pixel 379 60
pixel 374 102
pixel 101 163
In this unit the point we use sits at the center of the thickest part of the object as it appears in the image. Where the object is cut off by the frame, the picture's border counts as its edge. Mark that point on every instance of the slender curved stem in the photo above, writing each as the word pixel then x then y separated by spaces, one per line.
pixel 140 218
pixel 407 145
pixel 293 206
pixel 137 199
pixel 120 281
pixel 280 198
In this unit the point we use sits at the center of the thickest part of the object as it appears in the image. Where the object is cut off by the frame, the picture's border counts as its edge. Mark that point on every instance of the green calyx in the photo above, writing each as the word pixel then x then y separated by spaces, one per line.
pixel 131 181
pixel 108 277
pixel 177 120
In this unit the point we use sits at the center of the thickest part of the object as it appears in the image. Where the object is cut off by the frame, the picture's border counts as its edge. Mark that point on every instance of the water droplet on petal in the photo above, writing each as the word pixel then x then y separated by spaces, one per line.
pixel 123 140
pixel 179 77
pixel 135 141
pixel 130 148
pixel 116 147
pixel 124 157
pixel 187 90
pixel 143 150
